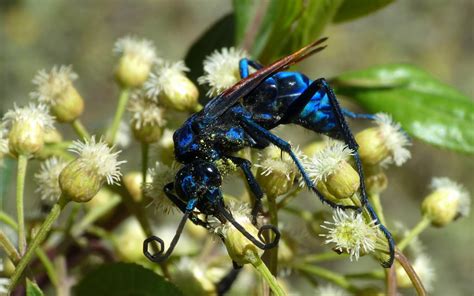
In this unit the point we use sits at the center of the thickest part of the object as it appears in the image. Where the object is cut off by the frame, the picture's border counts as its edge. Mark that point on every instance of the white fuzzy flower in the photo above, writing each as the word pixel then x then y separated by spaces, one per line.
pixel 123 139
pixel 140 49
pixel 221 69
pixel 50 86
pixel 395 140
pixel 327 161
pixel 241 213
pixel 164 77
pixel 272 159
pixel 330 290
pixel 144 111
pixel 3 140
pixel 161 175
pixel 98 156
pixel 351 233
pixel 47 178
pixel 32 115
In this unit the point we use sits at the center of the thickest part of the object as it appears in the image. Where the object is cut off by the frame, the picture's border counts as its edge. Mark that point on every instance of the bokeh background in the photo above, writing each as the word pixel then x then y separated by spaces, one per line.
pixel 435 35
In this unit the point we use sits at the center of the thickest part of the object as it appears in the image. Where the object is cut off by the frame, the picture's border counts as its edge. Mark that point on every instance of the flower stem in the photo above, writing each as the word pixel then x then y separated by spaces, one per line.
pixel 48 265
pixel 419 228
pixel 20 188
pixel 9 248
pixel 37 240
pixel 80 129
pixel 145 152
pixel 326 274
pixel 391 281
pixel 122 104
pixel 415 280
pixel 262 269
pixel 321 257
pixel 375 200
pixel 273 252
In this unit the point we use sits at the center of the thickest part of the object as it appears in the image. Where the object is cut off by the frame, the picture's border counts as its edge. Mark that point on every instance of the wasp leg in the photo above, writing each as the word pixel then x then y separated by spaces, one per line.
pixel 244 67
pixel 258 132
pixel 182 205
pixel 244 164
pixel 353 115
pixel 224 285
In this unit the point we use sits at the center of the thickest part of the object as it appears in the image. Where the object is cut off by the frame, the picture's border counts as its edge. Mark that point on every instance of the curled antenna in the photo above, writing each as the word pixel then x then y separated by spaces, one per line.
pixel 159 256
pixel 259 244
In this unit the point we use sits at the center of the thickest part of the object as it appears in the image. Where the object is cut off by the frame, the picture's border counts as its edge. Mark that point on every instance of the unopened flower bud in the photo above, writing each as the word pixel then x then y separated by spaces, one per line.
pixel 136 60
pixel 147 118
pixel 170 86
pixel 57 91
pixel 133 181
pixel 277 172
pixel 221 70
pixel 128 242
pixel 384 144
pixel 27 128
pixel 376 180
pixel 239 248
pixel 52 136
pixel 447 202
pixel 333 175
pixel 314 147
pixel 82 178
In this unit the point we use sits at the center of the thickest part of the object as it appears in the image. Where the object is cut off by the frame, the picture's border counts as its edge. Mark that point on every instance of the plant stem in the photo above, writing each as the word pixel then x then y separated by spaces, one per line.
pixel 145 152
pixel 415 280
pixel 20 188
pixel 376 274
pixel 122 104
pixel 391 281
pixel 37 240
pixel 9 248
pixel 80 129
pixel 273 252
pixel 419 228
pixel 321 257
pixel 48 265
pixel 375 200
pixel 262 269
pixel 326 274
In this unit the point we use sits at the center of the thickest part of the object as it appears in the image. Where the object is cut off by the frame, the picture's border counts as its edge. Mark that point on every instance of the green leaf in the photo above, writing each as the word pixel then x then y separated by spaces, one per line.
pixel 352 9
pixel 285 27
pixel 220 34
pixel 427 109
pixel 124 279
pixel 32 289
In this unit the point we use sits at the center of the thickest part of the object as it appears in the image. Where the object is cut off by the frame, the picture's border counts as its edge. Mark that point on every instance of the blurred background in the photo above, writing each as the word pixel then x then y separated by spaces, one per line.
pixel 435 35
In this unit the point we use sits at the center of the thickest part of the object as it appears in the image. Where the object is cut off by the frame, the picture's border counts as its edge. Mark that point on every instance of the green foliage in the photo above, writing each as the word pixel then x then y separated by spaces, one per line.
pixel 426 108
pixel 32 289
pixel 124 279
pixel 352 9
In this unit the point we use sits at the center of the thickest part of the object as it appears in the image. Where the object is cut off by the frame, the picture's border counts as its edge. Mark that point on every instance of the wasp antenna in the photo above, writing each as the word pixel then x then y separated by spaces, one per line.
pixel 259 244
pixel 159 256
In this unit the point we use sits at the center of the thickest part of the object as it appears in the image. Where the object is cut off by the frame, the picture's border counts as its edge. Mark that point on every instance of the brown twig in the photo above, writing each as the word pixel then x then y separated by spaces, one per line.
pixel 420 289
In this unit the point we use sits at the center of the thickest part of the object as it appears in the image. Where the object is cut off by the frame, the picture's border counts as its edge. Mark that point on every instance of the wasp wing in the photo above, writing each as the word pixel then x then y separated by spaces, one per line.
pixel 218 105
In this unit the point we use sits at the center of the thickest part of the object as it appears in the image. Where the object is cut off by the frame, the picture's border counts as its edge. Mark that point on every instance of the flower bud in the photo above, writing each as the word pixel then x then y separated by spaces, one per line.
pixel 56 90
pixel 221 70
pixel 277 172
pixel 47 179
pixel 333 175
pixel 172 88
pixel 52 136
pixel 384 144
pixel 147 118
pixel 136 60
pixel 82 178
pixel 447 202
pixel 376 180
pixel 133 181
pixel 128 242
pixel 160 175
pixel 27 128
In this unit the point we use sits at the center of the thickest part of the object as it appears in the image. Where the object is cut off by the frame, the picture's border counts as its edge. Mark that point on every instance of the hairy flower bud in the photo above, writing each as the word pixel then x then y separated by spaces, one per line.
pixel 56 90
pixel 27 128
pixel 147 118
pixel 447 202
pixel 384 144
pixel 170 86
pixel 137 57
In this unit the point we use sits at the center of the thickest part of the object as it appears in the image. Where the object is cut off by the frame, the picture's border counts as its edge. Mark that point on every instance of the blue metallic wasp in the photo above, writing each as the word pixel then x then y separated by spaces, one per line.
pixel 242 116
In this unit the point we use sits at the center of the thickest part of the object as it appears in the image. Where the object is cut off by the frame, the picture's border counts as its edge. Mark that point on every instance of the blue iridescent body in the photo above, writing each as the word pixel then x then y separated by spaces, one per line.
pixel 243 116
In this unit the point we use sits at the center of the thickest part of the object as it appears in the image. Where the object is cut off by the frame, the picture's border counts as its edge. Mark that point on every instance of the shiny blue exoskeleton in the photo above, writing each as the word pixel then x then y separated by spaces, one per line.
pixel 243 116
